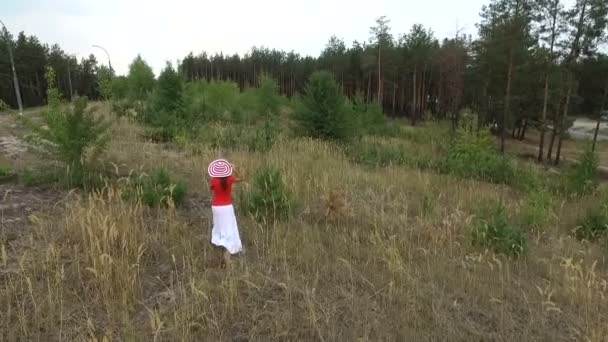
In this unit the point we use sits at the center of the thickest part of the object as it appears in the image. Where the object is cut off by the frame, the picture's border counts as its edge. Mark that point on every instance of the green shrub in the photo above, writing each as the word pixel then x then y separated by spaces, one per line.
pixel 593 225
pixel 39 176
pixel 536 211
pixel 119 87
pixel 221 97
pixel 268 98
pixel 75 136
pixel 377 155
pixel 157 189
pixel 3 106
pixel 472 155
pixel 492 229
pixel 322 112
pixel 140 80
pixel 582 179
pixel 269 198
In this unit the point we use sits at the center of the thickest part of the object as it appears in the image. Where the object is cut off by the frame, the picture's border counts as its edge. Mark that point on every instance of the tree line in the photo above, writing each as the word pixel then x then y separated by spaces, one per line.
pixel 535 63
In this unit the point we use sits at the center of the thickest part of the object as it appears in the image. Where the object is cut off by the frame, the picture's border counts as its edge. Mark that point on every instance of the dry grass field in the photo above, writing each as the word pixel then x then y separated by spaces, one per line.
pixel 368 254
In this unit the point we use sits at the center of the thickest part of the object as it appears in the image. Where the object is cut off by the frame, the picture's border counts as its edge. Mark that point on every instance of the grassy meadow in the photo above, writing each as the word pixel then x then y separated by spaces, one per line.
pixel 389 237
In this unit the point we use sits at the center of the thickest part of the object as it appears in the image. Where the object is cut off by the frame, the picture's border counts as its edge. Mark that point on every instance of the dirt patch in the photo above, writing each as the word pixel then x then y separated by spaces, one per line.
pixel 12 147
pixel 17 203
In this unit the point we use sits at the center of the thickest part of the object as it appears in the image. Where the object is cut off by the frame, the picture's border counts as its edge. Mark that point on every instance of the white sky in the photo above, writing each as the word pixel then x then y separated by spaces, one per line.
pixel 170 29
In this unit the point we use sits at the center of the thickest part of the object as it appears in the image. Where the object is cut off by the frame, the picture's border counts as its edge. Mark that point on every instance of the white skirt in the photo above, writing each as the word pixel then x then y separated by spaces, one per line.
pixel 225 232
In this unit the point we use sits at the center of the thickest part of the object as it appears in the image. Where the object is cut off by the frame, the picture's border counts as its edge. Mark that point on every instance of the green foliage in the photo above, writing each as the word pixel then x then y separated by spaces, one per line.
pixel 119 87
pixel 3 106
pixel 322 112
pixel 582 179
pixel 369 117
pixel 104 82
pixel 594 224
pixel 39 176
pixel 158 189
pixel 268 96
pixel 493 229
pixel 381 153
pixel 220 97
pixel 536 211
pixel 165 110
pixel 472 155
pixel 140 80
pixel 269 199
pixel 74 136
pixel 5 172
pixel 123 108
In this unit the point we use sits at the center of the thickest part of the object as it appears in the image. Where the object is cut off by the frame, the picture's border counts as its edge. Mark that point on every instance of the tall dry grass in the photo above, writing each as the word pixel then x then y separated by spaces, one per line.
pixel 368 255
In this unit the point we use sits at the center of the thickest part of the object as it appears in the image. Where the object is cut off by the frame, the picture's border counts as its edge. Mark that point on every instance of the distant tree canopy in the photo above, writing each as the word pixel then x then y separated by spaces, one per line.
pixel 534 62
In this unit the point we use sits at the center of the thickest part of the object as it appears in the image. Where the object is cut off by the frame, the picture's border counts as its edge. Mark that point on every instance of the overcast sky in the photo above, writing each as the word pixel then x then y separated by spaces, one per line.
pixel 170 29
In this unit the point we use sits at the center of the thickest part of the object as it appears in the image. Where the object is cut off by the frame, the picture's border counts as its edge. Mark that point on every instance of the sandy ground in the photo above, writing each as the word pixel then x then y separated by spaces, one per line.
pixel 583 129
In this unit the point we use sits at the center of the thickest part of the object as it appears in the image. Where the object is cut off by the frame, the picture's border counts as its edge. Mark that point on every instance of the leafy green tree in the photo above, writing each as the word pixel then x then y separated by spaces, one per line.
pixel 587 20
pixel 104 79
pixel 269 99
pixel 322 113
pixel 74 136
pixel 141 79
pixel 166 111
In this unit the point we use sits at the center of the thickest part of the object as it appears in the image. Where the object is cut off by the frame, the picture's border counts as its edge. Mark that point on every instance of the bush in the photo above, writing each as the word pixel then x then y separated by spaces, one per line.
pixel 268 98
pixel 220 98
pixel 166 110
pixel 472 155
pixel 158 189
pixel 140 80
pixel 493 230
pixel 537 209
pixel 593 225
pixel 322 112
pixel 75 136
pixel 269 199
pixel 3 106
pixel 39 176
pixel 582 179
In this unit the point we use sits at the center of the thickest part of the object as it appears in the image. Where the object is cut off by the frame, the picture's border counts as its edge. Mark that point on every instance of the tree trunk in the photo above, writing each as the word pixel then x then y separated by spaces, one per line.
pixel 394 96
pixel 414 105
pixel 522 134
pixel 599 117
pixel 507 103
pixel 369 87
pixel 543 119
pixel 563 119
pixel 379 74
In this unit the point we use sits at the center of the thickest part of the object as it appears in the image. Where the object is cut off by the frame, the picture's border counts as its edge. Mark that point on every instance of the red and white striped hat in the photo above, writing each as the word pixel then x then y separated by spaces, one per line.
pixel 220 168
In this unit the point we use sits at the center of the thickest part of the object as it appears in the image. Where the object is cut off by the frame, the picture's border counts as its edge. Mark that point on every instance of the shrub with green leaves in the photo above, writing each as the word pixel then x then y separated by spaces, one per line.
pixel 165 113
pixel 493 229
pixel 3 106
pixel 536 211
pixel 75 136
pixel 322 112
pixel 158 189
pixel 582 179
pixel 269 199
pixel 593 225
pixel 268 97
pixel 472 155
pixel 140 80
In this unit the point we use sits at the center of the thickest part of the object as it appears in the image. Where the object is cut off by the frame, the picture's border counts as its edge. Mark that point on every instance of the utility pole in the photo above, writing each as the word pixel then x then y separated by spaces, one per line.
pixel 107 54
pixel 15 80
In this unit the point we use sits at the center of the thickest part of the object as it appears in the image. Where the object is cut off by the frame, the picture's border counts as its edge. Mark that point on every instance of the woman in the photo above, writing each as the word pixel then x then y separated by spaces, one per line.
pixel 225 232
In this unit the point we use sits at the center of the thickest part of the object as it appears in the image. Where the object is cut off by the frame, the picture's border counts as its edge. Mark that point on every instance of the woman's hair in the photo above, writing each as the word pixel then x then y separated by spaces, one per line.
pixel 224 182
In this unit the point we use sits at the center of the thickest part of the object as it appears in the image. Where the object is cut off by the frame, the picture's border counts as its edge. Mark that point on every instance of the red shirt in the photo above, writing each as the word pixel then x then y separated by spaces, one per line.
pixel 222 196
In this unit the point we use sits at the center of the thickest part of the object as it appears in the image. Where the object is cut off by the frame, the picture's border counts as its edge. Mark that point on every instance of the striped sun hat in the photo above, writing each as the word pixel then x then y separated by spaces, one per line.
pixel 220 168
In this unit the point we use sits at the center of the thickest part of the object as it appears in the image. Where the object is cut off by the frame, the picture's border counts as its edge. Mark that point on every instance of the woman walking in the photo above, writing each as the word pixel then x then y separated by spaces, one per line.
pixel 225 232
